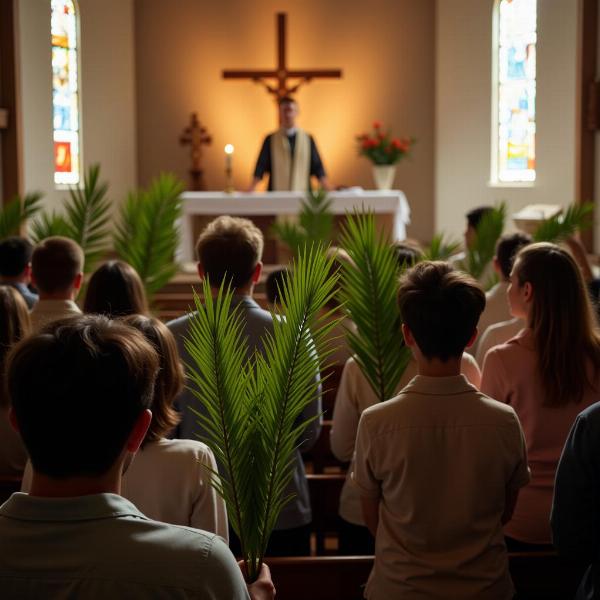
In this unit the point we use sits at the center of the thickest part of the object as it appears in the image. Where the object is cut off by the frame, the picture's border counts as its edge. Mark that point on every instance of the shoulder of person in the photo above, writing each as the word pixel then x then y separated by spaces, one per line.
pixel 179 324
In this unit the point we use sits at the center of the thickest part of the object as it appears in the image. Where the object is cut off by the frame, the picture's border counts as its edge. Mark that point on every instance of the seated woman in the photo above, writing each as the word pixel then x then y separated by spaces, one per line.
pixel 169 480
pixel 548 373
pixel 14 326
pixel 115 290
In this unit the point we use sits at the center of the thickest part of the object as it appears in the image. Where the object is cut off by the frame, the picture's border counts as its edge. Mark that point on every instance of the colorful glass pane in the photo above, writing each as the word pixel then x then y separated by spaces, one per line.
pixel 517 37
pixel 65 92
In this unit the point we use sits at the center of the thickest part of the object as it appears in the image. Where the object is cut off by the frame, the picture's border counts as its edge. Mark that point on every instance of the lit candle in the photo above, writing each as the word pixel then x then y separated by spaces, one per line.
pixel 228 156
pixel 228 169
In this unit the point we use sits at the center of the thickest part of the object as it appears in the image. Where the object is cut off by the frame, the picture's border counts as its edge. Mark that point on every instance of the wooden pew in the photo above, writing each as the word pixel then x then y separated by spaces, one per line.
pixel 9 485
pixel 320 456
pixel 325 492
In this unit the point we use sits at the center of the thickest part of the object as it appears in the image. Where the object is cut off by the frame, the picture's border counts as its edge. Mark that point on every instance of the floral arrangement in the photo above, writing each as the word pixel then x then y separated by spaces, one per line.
pixel 381 148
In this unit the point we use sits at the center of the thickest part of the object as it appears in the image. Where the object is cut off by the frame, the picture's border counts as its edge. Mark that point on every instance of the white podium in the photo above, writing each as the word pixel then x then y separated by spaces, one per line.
pixel 242 204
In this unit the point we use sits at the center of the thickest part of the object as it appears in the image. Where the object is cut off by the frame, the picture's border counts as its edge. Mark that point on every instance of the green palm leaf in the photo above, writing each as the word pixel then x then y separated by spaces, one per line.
pixel 17 211
pixel 48 225
pixel 369 290
pixel 440 248
pixel 488 232
pixel 576 218
pixel 147 235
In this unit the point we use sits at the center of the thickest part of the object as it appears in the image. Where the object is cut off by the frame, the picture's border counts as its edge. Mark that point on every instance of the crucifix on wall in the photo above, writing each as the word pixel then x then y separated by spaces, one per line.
pixel 196 135
pixel 282 74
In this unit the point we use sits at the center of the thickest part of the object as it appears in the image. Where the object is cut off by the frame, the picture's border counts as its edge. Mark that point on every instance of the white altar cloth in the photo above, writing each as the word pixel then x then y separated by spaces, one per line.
pixel 392 202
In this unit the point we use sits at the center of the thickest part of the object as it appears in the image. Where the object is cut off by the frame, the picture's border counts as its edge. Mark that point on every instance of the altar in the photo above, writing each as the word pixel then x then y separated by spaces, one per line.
pixel 391 204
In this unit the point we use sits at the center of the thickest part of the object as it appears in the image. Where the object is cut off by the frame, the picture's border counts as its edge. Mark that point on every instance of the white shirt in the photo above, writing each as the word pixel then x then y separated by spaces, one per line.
pixel 47 311
pixel 496 334
pixel 496 311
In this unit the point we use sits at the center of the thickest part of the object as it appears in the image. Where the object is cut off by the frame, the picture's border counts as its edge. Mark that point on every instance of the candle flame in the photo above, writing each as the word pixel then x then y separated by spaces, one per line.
pixel 229 149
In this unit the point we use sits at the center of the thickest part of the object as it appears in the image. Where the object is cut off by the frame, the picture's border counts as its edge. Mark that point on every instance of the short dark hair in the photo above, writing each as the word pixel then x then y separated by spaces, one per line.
pixel 475 215
pixel 506 250
pixel 286 100
pixel 115 290
pixel 77 388
pixel 408 253
pixel 274 283
pixel 230 247
pixel 15 255
pixel 441 306
pixel 55 263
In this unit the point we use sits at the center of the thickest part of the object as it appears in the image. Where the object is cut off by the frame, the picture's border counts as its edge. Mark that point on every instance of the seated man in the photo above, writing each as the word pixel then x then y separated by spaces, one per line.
pixel 15 267
pixel 231 248
pixel 57 272
pixel 80 392
pixel 439 467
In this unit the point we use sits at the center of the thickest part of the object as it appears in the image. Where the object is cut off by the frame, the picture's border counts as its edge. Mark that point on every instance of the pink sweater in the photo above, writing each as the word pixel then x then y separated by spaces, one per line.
pixel 510 374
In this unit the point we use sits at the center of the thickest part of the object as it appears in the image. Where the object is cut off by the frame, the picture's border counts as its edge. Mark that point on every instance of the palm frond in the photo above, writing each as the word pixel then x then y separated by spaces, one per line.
pixel 147 234
pixel 17 211
pixel 87 213
pixel 576 218
pixel 48 224
pixel 440 248
pixel 369 289
pixel 489 230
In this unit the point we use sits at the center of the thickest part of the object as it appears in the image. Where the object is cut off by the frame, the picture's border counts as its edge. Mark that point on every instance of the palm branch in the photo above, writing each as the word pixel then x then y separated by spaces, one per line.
pixel 87 214
pixel 251 412
pixel 488 232
pixel 369 290
pixel 440 248
pixel 576 218
pixel 147 235
pixel 48 225
pixel 17 211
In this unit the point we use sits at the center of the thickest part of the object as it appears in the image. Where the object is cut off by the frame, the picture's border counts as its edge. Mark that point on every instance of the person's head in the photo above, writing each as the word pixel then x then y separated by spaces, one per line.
pixel 440 308
pixel 288 111
pixel 507 248
pixel 230 249
pixel 274 283
pixel 115 290
pixel 548 291
pixel 408 253
pixel 56 266
pixel 170 378
pixel 14 326
pixel 79 393
pixel 15 259
pixel 474 217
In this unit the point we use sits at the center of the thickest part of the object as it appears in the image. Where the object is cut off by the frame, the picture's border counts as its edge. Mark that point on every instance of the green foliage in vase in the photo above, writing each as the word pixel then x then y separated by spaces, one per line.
pixel 16 212
pixel 315 223
pixel 147 233
pixel 250 408
pixel 440 248
pixel 369 293
pixel 577 217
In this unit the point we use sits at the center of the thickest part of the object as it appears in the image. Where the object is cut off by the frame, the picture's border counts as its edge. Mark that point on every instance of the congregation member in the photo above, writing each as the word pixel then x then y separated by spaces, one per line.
pixel 80 391
pixel 496 334
pixel 115 290
pixel 548 373
pixel 15 267
pixel 440 466
pixel 14 326
pixel 575 529
pixel 230 249
pixel 57 273
pixel 273 285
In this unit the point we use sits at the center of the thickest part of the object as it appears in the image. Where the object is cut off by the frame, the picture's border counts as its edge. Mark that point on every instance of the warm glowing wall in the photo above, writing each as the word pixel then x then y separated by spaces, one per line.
pixel 385 48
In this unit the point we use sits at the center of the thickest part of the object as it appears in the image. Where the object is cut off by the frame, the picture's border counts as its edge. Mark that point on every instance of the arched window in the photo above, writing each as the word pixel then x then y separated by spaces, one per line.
pixel 513 127
pixel 65 92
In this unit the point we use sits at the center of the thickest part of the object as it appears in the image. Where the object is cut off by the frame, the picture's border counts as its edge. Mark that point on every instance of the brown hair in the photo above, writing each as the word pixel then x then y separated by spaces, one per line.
pixel 230 247
pixel 77 388
pixel 55 263
pixel 507 248
pixel 115 289
pixel 14 326
pixel 565 331
pixel 441 307
pixel 169 381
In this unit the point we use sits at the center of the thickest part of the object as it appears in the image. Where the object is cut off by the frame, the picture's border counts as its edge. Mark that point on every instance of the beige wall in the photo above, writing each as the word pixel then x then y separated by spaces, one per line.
pixel 385 48
pixel 463 110
pixel 107 87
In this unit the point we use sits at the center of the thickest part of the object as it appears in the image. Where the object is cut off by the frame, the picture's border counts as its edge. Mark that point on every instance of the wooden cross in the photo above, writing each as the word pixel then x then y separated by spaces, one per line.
pixel 196 135
pixel 281 73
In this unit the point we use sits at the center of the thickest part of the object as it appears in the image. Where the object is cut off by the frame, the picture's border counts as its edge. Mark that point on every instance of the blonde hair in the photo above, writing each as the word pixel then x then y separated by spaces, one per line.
pixel 562 320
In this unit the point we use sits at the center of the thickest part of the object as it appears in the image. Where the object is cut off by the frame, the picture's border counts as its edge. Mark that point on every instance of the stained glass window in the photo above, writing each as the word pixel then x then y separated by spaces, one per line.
pixel 516 75
pixel 65 92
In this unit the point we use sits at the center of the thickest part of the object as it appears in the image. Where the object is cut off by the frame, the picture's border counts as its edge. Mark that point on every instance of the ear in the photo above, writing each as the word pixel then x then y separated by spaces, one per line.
pixel 138 433
pixel 496 265
pixel 13 419
pixel 200 269
pixel 257 272
pixel 473 338
pixel 27 271
pixel 78 281
pixel 409 340
pixel 527 291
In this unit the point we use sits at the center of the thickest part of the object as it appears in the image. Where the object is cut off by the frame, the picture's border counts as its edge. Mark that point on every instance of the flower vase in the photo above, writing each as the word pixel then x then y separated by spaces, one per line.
pixel 384 175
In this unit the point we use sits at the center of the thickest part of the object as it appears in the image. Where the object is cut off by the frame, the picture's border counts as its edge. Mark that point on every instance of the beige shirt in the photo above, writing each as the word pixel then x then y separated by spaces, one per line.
pixel 47 311
pixel 354 396
pixel 440 457
pixel 497 334
pixel 510 374
pixel 338 339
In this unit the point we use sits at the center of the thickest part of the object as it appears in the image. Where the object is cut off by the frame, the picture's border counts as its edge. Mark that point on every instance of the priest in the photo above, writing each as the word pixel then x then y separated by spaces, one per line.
pixel 289 155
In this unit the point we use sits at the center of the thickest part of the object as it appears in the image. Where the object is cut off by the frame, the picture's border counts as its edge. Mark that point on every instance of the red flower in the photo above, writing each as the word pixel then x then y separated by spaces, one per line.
pixel 377 124
pixel 366 143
